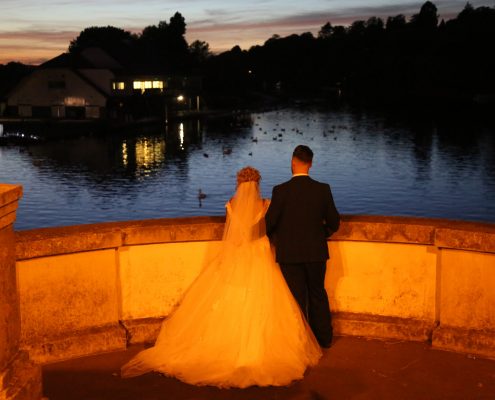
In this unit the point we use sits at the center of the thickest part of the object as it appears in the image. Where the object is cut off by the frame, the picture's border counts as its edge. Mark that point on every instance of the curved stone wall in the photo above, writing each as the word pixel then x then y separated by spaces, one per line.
pixel 93 288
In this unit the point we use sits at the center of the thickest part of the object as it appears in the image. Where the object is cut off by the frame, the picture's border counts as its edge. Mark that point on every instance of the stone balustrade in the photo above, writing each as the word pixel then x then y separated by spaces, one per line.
pixel 20 378
pixel 94 288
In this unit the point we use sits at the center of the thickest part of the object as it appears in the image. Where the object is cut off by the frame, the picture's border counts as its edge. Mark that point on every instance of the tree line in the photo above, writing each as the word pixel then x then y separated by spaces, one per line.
pixel 396 59
pixel 374 60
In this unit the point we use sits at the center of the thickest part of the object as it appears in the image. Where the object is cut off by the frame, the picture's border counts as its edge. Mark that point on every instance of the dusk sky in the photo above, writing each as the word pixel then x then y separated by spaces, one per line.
pixel 32 31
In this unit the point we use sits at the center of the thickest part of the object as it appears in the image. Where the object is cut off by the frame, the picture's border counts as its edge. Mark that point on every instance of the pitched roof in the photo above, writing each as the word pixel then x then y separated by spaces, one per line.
pixel 92 57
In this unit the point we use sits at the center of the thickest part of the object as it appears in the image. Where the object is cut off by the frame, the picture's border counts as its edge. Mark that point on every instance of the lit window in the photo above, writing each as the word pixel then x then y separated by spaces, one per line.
pixel 118 85
pixel 75 101
pixel 143 85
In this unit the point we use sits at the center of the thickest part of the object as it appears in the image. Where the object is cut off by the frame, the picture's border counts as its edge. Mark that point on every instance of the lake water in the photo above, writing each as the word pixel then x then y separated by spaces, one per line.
pixel 376 163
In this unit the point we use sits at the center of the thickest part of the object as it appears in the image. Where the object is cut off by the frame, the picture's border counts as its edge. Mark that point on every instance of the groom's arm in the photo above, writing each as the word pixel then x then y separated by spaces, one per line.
pixel 273 212
pixel 332 217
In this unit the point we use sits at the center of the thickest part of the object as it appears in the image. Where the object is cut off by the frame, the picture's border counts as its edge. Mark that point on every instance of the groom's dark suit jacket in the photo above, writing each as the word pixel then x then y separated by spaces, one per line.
pixel 300 217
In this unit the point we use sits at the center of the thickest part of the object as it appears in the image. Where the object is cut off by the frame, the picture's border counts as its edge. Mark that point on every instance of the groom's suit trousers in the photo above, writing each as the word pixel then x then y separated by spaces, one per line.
pixel 306 282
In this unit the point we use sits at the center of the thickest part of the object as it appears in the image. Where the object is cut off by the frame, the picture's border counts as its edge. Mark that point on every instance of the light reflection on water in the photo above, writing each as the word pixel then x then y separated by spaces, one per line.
pixel 374 163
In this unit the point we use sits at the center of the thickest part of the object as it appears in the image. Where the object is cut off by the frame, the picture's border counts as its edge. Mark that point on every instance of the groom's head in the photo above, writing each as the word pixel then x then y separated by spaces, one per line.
pixel 302 159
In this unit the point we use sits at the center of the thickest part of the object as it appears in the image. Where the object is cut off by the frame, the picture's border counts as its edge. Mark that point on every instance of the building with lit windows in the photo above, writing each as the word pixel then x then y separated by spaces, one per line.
pixel 66 87
pixel 91 85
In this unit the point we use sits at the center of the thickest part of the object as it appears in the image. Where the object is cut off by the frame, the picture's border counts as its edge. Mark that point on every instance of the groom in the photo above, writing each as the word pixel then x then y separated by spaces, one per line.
pixel 300 218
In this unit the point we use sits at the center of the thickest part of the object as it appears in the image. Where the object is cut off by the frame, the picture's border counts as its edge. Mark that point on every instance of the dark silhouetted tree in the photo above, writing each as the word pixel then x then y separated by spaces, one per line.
pixel 395 24
pixel 164 45
pixel 357 29
pixel 177 25
pixel 200 51
pixel 108 38
pixel 427 18
pixel 325 31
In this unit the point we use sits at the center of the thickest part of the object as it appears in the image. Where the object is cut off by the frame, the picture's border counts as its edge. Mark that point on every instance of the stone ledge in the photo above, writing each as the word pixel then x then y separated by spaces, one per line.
pixel 381 327
pixel 190 231
pixel 463 235
pixel 462 340
pixel 45 242
pixel 56 241
pixel 9 193
pixel 466 239
pixel 7 220
pixel 9 208
pixel 9 196
pixel 386 229
pixel 77 344
pixel 72 239
pixel 143 330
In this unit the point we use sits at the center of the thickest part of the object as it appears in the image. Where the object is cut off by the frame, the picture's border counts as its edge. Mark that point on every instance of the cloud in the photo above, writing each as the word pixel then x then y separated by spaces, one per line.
pixel 28 26
pixel 39 36
pixel 33 47
pixel 222 34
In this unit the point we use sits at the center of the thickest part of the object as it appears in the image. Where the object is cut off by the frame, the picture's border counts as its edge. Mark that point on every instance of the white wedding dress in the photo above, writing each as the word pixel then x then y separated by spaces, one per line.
pixel 238 324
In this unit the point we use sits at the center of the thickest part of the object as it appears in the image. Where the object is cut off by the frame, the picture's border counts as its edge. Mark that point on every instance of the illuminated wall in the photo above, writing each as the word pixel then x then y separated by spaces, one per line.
pixel 92 288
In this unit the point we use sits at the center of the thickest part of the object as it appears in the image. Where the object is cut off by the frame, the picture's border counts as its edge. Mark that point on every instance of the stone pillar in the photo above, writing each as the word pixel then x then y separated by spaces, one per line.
pixel 20 379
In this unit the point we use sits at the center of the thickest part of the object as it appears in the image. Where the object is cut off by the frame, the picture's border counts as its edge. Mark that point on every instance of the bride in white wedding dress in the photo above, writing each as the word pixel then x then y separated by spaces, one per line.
pixel 238 324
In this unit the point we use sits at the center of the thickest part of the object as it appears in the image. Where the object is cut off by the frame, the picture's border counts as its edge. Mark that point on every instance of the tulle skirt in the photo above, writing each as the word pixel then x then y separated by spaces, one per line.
pixel 237 326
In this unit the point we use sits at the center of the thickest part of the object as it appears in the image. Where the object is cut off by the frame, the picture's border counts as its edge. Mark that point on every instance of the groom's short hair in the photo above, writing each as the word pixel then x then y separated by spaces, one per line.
pixel 303 153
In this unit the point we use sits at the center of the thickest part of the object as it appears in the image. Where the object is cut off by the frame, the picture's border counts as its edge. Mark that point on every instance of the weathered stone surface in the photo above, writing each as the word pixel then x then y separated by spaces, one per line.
pixel 9 194
pixel 383 279
pixel 68 293
pixel 475 236
pixel 143 330
pixel 22 379
pixel 389 277
pixel 462 340
pixel 379 326
pixel 72 239
pixel 175 230
pixel 7 219
pixel 443 233
pixel 66 240
pixel 466 294
pixel 9 300
pixel 78 343
pixel 6 209
pixel 478 238
pixel 153 277
pixel 386 229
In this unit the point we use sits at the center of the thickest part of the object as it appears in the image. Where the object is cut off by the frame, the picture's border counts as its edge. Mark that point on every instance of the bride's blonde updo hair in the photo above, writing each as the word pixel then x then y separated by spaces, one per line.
pixel 248 174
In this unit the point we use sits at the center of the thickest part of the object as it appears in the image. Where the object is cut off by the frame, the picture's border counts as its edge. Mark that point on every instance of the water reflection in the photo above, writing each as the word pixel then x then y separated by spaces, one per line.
pixel 144 155
pixel 377 163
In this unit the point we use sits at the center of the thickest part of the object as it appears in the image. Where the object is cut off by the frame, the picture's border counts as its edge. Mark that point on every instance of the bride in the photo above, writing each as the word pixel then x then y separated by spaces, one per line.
pixel 238 324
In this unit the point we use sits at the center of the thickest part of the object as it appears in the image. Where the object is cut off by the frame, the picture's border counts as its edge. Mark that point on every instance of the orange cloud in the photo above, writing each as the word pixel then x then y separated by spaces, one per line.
pixel 33 47
pixel 221 33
